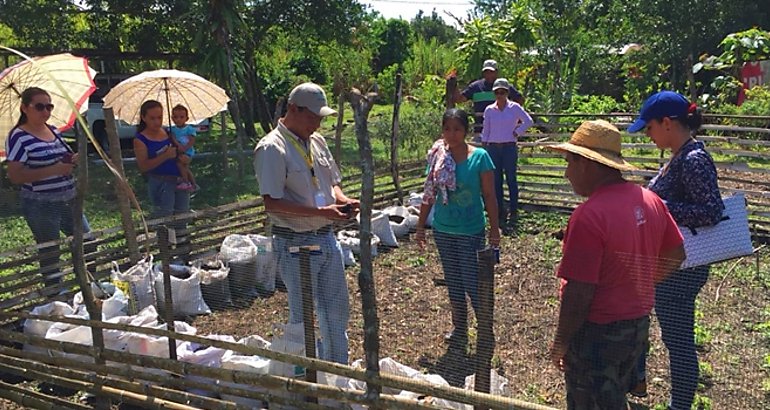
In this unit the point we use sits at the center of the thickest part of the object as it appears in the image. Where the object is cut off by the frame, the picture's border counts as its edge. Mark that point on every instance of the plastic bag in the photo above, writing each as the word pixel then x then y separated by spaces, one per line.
pixel 499 385
pixel 39 328
pixel 251 364
pixel 240 252
pixel 399 218
pixel 186 296
pixel 415 202
pixel 215 287
pixel 114 302
pixel 267 264
pixel 204 356
pixel 136 283
pixel 381 228
pixel 350 240
pixel 347 254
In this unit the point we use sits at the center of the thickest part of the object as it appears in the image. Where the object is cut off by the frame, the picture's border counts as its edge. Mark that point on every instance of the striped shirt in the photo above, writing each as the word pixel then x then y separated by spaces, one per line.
pixel 35 153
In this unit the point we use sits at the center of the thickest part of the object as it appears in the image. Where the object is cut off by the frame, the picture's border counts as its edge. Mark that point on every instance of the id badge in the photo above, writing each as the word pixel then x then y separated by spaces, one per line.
pixel 320 199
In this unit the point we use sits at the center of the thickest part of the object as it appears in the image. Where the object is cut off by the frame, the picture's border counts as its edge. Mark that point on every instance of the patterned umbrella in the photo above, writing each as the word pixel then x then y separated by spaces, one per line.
pixel 201 97
pixel 74 74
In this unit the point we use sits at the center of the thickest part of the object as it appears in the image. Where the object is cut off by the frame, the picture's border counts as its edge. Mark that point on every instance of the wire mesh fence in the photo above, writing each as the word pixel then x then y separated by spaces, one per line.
pixel 253 303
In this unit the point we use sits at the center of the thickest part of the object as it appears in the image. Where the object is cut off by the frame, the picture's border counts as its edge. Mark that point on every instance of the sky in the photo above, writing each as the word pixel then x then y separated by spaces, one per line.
pixel 407 9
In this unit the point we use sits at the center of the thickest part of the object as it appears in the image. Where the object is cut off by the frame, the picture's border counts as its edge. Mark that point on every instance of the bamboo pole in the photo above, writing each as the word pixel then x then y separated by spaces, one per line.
pixel 133 373
pixel 92 306
pixel 124 203
pixel 34 400
pixel 362 105
pixel 166 398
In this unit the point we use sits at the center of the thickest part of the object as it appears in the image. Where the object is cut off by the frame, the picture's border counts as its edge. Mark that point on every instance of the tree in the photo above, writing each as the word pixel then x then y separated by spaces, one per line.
pixel 392 41
pixel 433 27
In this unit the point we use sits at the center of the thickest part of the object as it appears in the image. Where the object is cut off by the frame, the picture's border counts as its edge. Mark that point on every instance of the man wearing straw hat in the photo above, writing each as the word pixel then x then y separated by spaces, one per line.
pixel 617 244
pixel 300 184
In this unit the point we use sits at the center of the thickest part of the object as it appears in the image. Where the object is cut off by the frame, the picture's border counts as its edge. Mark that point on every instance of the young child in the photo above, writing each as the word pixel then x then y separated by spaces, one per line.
pixel 183 136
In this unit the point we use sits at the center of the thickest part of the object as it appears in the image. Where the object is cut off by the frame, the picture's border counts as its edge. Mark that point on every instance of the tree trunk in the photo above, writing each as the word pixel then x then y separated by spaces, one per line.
pixel 338 128
pixel 394 140
pixel 235 112
pixel 361 107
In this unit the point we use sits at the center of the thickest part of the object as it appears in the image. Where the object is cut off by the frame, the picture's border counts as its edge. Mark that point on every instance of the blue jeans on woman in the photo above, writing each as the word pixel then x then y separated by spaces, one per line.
pixel 166 199
pixel 505 158
pixel 330 289
pixel 458 254
pixel 675 308
pixel 47 220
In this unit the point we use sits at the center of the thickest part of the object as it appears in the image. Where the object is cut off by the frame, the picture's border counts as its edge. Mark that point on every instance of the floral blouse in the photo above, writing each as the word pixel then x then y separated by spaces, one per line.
pixel 688 185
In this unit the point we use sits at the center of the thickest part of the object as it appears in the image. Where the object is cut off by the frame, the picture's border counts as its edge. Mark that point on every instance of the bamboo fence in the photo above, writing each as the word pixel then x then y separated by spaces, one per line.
pixel 155 382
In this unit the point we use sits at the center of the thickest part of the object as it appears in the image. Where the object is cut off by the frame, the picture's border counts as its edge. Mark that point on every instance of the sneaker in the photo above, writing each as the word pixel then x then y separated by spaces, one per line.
pixel 185 186
pixel 639 389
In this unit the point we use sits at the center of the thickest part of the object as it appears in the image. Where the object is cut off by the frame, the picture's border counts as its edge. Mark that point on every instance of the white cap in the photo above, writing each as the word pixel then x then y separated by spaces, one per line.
pixel 312 97
pixel 489 65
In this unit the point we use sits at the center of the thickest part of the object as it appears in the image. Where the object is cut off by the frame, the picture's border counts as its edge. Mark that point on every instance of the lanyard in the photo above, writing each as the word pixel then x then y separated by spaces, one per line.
pixel 307 155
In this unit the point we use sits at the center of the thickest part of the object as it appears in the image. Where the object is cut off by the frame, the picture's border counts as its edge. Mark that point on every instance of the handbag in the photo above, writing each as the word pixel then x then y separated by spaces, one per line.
pixel 730 238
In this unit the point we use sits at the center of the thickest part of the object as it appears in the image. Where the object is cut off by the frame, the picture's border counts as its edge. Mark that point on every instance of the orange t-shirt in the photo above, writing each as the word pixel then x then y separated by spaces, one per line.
pixel 613 240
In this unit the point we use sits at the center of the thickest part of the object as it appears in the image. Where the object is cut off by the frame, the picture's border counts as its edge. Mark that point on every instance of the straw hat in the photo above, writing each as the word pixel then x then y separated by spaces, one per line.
pixel 598 141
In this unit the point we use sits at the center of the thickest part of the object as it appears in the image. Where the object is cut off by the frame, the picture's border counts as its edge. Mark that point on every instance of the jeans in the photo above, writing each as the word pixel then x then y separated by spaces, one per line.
pixel 46 219
pixel 675 308
pixel 505 157
pixel 166 199
pixel 330 289
pixel 460 262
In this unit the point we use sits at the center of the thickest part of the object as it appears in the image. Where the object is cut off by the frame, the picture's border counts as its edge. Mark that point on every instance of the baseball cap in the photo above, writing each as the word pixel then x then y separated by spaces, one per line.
pixel 659 105
pixel 489 65
pixel 501 83
pixel 312 97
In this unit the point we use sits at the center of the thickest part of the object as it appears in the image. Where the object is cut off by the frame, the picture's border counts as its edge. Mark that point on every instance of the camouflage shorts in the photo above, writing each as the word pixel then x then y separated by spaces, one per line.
pixel 600 362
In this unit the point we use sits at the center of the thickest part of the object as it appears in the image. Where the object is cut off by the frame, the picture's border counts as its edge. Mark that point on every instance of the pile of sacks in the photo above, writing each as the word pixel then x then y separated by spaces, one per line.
pixel 388 225
pixel 142 284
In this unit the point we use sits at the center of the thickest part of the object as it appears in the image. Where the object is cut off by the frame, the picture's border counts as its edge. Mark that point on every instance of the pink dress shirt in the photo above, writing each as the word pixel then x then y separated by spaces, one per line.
pixel 504 125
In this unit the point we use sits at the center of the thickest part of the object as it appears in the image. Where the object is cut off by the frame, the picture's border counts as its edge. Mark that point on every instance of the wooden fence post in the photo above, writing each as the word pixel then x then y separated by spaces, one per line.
pixel 78 257
pixel 362 105
pixel 485 347
pixel 168 303
pixel 394 140
pixel 449 96
pixel 124 204
pixel 308 320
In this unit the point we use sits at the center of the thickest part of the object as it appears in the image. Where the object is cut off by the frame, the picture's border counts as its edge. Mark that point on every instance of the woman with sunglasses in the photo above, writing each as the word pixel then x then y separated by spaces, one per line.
pixel 504 121
pixel 42 163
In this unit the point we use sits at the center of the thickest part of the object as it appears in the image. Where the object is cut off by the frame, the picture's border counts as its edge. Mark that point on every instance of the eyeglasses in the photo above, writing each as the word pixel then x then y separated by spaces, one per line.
pixel 40 107
pixel 500 92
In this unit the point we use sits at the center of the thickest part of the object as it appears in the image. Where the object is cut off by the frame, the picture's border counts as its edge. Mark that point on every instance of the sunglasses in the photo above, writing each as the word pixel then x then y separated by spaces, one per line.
pixel 40 107
pixel 500 92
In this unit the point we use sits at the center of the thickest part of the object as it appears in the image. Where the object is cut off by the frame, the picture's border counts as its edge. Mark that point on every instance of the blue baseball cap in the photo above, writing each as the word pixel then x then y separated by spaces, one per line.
pixel 659 105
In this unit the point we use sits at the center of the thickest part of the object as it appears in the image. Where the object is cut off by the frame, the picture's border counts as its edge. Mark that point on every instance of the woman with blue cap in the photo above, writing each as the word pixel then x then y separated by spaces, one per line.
pixel 688 185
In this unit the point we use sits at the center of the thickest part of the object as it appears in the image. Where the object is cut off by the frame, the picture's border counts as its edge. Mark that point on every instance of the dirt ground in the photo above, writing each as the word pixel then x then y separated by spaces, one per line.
pixel 414 315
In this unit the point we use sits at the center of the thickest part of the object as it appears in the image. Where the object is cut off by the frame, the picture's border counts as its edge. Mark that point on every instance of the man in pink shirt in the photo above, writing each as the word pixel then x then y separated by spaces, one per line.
pixel 504 121
pixel 618 244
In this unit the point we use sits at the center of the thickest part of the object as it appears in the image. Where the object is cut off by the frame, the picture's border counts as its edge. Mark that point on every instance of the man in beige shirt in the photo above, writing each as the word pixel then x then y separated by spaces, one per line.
pixel 300 184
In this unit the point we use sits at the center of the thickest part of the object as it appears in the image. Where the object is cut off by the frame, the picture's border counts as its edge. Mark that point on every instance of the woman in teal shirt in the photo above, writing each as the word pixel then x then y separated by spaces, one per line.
pixel 460 184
